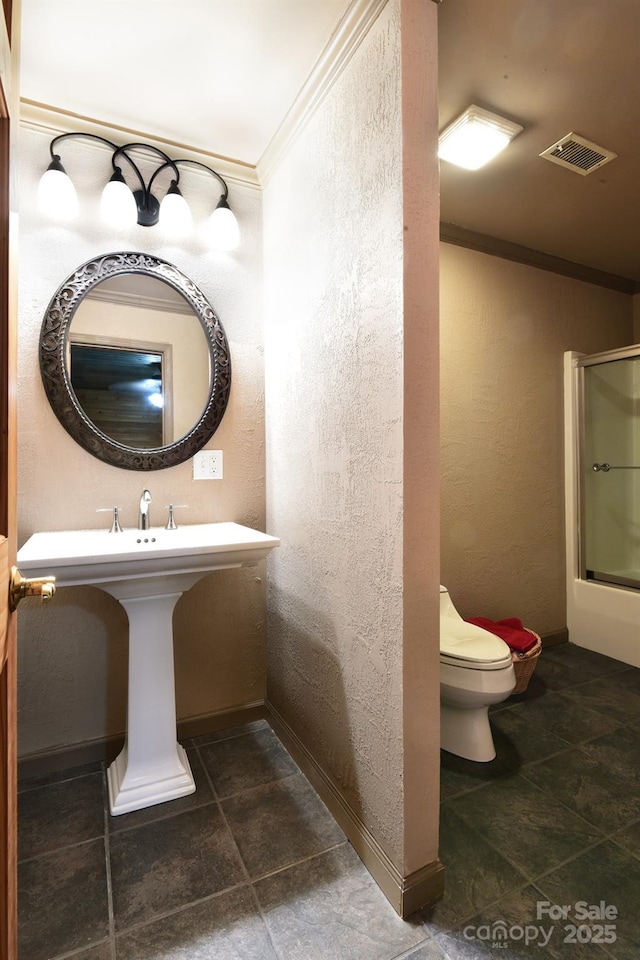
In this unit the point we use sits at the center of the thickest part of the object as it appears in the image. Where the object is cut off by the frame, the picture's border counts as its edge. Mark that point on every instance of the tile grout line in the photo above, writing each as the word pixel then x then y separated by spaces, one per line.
pixel 495 849
pixel 563 863
pixel 296 863
pixel 552 796
pixel 409 952
pixel 161 818
pixel 222 814
pixel 555 799
pixel 78 951
pixel 458 921
pixel 260 786
pixel 233 736
pixel 54 783
pixel 107 854
pixel 252 892
pixel 174 911
pixel 505 856
pixel 67 846
pixel 548 727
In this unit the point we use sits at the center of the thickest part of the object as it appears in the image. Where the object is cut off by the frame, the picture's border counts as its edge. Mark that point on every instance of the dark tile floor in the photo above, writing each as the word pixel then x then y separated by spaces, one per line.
pixel 555 817
pixel 252 866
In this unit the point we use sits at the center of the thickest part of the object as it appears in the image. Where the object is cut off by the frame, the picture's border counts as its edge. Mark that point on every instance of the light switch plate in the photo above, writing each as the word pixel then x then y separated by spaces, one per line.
pixel 207 465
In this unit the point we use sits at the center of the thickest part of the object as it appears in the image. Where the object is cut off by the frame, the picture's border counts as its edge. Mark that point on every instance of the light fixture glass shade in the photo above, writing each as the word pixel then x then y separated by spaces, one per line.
pixel 175 215
pixel 117 205
pixel 57 196
pixel 475 138
pixel 222 228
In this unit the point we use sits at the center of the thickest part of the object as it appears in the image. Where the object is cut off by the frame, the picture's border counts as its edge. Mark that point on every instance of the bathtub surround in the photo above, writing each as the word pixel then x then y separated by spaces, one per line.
pixel 504 327
pixel 601 617
pixel 351 360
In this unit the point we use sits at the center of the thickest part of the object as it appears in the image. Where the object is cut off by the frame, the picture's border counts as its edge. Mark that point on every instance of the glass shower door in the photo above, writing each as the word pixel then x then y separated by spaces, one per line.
pixel 611 470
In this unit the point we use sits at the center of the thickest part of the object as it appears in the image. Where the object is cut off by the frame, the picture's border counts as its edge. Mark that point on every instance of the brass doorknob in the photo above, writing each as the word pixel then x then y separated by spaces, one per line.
pixel 19 587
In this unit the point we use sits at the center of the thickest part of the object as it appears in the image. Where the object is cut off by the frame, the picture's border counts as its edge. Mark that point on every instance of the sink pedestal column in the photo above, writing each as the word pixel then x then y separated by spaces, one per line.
pixel 152 767
pixel 146 573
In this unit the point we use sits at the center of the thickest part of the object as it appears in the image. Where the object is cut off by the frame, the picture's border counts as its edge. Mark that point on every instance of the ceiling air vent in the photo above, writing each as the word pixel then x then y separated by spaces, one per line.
pixel 575 153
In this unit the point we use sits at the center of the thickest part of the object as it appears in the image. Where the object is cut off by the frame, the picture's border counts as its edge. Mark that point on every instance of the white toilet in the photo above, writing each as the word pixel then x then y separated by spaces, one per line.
pixel 476 670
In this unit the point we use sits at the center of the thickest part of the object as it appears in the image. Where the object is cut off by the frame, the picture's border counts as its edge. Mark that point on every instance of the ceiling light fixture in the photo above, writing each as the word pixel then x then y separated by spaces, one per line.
pixel 122 205
pixel 476 137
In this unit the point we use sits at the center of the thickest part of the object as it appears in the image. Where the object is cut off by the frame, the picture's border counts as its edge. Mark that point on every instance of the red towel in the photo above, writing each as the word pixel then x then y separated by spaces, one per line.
pixel 509 630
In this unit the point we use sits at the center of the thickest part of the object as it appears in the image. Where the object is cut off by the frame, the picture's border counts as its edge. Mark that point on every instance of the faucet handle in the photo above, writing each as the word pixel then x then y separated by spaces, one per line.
pixel 171 523
pixel 115 523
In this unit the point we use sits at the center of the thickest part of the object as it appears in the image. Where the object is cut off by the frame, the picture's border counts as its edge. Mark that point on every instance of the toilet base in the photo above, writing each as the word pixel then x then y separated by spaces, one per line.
pixel 467 733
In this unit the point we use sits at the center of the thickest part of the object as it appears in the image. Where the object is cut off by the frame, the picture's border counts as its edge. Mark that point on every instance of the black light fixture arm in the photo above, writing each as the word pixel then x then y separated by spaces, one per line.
pixel 85 136
pixel 148 205
pixel 196 163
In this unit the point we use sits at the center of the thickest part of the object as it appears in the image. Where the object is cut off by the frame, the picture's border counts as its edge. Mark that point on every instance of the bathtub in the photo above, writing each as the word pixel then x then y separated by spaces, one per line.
pixel 600 616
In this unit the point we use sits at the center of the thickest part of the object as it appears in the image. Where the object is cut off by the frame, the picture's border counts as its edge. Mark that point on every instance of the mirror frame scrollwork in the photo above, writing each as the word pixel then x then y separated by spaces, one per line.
pixel 54 336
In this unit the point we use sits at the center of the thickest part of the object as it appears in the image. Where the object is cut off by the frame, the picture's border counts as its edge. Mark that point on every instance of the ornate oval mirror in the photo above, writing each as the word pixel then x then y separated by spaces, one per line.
pixel 135 363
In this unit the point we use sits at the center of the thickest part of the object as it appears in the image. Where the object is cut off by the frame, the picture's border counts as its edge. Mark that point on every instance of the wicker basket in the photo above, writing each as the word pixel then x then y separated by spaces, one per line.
pixel 525 663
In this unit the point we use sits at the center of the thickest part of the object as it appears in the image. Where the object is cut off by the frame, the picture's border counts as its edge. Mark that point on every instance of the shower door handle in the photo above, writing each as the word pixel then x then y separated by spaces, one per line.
pixel 605 467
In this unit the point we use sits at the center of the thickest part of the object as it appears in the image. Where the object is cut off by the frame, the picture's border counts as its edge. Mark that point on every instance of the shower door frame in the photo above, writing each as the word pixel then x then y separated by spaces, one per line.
pixel 591 360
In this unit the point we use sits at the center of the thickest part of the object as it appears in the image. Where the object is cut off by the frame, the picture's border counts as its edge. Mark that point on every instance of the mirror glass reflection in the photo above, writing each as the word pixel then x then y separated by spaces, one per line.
pixel 138 361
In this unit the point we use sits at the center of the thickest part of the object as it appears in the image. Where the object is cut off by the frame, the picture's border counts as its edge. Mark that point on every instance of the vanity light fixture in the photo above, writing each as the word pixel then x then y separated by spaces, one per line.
pixel 476 137
pixel 122 205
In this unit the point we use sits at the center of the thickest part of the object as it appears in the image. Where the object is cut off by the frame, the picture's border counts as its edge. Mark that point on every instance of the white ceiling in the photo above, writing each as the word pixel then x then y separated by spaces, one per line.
pixel 220 76
pixel 555 66
pixel 217 75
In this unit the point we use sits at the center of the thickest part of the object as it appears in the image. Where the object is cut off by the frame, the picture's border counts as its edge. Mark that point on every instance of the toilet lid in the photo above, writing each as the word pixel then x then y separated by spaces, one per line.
pixel 471 646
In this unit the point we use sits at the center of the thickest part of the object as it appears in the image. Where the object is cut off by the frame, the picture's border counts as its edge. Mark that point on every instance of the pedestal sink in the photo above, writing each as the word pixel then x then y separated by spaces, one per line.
pixel 147 571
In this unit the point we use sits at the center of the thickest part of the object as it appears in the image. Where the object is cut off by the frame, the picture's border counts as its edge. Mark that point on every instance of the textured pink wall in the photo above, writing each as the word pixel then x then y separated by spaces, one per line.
pixel 504 327
pixel 72 663
pixel 340 447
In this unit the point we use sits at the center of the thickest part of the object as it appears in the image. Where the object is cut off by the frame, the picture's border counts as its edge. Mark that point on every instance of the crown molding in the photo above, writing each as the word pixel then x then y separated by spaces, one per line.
pixel 506 250
pixel 52 121
pixel 350 32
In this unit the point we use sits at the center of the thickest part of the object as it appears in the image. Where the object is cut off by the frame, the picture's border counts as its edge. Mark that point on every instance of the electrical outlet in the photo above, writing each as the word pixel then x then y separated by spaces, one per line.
pixel 207 465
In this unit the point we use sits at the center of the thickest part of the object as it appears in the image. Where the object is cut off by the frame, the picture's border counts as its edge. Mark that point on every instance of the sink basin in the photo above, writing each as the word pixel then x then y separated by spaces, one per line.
pixel 147 571
pixel 96 557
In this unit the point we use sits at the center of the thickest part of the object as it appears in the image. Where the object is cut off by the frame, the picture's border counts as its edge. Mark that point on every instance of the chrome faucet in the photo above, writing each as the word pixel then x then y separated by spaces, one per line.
pixel 143 514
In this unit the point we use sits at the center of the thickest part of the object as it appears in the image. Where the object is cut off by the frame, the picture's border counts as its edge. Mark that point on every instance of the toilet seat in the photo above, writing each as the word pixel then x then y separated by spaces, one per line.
pixel 464 644
pixel 468 664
